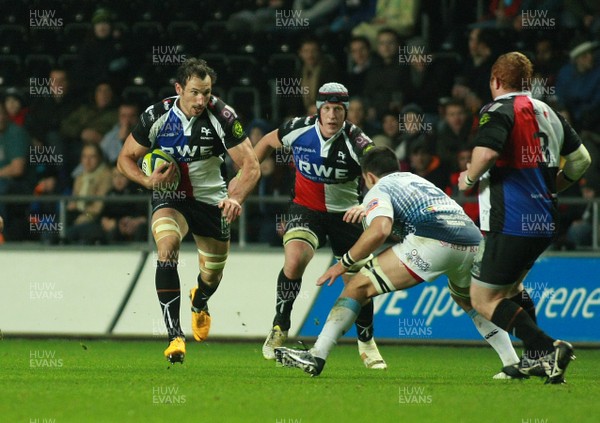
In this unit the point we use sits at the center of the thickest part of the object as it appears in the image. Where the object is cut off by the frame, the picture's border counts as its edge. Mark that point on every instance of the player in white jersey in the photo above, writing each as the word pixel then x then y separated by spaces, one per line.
pixel 437 238
pixel 197 129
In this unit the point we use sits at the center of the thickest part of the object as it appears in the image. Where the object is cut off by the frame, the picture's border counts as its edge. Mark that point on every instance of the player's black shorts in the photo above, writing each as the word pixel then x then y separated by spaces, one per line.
pixel 203 219
pixel 502 259
pixel 324 225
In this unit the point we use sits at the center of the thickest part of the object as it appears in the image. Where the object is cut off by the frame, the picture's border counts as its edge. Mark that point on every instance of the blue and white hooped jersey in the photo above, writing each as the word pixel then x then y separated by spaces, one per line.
pixel 417 206
pixel 198 144
pixel 327 170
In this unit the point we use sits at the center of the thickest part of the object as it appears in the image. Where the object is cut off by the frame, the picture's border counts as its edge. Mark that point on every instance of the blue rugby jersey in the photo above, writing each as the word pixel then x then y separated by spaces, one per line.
pixel 198 144
pixel 327 171
pixel 517 196
pixel 417 206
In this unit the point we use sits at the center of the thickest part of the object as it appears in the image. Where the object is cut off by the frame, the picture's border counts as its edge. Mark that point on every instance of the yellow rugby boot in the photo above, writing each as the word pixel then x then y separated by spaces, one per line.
pixel 200 320
pixel 175 352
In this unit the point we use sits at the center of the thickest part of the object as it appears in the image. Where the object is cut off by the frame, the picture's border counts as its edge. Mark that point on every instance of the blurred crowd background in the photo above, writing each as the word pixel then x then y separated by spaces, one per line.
pixel 75 75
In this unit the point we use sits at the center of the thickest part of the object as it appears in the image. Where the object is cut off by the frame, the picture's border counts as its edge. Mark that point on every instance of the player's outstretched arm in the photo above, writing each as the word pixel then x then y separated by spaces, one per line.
pixel 370 240
pixel 131 152
pixel 266 145
pixel 245 181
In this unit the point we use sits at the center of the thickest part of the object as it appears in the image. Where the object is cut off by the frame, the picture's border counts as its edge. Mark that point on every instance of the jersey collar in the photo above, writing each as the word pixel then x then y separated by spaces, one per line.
pixel 516 93
pixel 180 113
pixel 333 137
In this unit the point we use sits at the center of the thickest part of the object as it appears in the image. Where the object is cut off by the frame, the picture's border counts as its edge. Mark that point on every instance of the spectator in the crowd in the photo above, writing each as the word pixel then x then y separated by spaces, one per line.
pixel 90 122
pixel 46 115
pixel 455 131
pixel 386 81
pixel 473 85
pixel 16 106
pixel 546 65
pixel 469 198
pixel 352 13
pixel 400 16
pixel 413 128
pixel 122 221
pixel 358 65
pixel 389 135
pixel 426 164
pixel 112 142
pixel 103 54
pixel 357 114
pixel 263 17
pixel 582 14
pixel 578 86
pixel 317 68
pixel 428 79
pixel 14 177
pixel 537 14
pixel 579 234
pixel 318 13
pixel 47 184
pixel 94 181
pixel 500 14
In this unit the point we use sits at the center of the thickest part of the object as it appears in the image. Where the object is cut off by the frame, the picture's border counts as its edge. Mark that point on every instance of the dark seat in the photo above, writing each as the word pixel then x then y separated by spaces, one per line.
pixel 38 65
pixel 246 101
pixel 13 38
pixel 139 94
pixel 11 70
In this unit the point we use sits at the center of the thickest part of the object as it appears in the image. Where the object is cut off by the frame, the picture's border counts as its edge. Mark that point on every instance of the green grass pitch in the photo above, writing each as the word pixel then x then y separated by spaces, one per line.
pixel 129 381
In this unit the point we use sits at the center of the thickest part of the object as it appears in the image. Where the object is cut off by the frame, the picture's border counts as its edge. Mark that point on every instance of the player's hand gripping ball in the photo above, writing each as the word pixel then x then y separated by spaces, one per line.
pixel 155 159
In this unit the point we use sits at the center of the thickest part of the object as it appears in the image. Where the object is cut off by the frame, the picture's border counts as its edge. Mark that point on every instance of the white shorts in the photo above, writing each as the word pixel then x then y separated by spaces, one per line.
pixel 429 258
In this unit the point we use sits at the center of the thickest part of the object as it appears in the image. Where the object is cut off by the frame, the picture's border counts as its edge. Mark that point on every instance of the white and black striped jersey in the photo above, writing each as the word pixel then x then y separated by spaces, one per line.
pixel 198 144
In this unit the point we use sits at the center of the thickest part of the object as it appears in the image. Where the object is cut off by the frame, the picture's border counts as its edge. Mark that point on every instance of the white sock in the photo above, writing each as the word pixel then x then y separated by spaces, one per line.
pixel 340 319
pixel 496 337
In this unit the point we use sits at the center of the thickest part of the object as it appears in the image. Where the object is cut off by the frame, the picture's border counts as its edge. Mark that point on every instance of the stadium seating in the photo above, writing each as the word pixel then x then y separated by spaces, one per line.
pixel 247 102
pixel 142 95
pixel 38 65
pixel 11 67
pixel 13 38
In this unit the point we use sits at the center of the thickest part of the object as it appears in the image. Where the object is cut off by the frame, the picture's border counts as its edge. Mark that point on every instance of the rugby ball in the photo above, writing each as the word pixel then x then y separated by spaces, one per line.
pixel 156 158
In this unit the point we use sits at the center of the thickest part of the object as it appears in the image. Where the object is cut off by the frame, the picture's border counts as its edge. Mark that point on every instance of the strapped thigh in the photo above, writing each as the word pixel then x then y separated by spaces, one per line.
pixel 166 226
pixel 217 262
pixel 301 234
pixel 459 291
pixel 380 281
